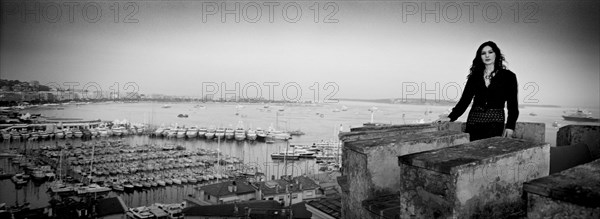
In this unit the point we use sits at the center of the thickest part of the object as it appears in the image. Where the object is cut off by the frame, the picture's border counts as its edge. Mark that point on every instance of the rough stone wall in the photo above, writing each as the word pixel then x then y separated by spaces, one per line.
pixel 491 188
pixel 358 184
pixel 372 170
pixel 495 189
pixel 425 193
pixel 586 134
pixel 530 131
pixel 382 162
pixel 544 207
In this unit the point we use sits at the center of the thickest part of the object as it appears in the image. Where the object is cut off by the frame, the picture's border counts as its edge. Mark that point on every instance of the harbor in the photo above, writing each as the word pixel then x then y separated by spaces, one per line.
pixel 166 159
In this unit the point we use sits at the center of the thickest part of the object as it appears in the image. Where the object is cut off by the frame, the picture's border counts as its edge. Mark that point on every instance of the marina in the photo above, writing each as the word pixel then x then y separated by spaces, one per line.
pixel 163 159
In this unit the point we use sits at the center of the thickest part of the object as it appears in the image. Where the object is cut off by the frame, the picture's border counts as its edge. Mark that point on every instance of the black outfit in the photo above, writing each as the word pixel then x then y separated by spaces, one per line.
pixel 486 118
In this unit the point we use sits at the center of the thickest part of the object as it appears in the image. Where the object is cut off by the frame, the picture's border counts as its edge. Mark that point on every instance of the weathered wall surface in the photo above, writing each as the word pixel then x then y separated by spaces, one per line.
pixel 544 207
pixel 478 179
pixel 586 134
pixel 371 165
pixel 572 193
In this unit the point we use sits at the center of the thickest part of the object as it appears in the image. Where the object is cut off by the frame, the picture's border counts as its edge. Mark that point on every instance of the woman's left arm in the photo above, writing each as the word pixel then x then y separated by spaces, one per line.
pixel 512 104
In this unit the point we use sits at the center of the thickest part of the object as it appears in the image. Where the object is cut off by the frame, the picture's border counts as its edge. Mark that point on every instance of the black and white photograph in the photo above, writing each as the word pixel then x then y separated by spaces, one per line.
pixel 305 109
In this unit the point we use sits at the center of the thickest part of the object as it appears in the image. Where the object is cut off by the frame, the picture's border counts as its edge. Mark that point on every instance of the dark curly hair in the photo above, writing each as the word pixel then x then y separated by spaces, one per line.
pixel 478 66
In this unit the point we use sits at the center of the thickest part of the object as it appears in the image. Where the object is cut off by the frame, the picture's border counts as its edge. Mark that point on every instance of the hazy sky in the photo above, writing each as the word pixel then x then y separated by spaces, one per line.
pixel 366 49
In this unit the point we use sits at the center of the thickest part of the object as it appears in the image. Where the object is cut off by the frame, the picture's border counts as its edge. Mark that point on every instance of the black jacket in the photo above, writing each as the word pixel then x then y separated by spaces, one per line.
pixel 503 88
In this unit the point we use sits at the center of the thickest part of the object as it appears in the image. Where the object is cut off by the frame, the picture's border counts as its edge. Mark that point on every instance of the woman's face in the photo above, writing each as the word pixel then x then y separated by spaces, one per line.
pixel 488 55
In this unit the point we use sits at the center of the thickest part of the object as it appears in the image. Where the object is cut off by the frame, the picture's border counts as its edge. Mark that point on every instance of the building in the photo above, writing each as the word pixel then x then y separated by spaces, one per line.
pixel 253 209
pixel 326 208
pixel 227 192
pixel 286 191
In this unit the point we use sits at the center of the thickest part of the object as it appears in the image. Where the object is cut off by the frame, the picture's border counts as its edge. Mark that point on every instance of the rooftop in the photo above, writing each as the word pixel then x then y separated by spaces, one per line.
pixel 278 186
pixel 222 189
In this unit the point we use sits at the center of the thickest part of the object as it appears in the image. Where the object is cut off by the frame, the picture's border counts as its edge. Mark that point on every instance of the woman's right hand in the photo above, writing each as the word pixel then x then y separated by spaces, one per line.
pixel 443 118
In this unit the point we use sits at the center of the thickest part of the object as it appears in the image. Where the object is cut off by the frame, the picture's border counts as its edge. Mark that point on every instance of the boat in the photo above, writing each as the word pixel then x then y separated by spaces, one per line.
pixel 6 135
pixel 302 153
pixel 173 210
pixel 59 134
pixel 181 132
pixel 171 133
pixel 210 133
pixel 94 132
pixel 128 186
pixel 68 133
pixel 38 175
pixel 285 155
pixel 261 135
pixel 580 116
pixel 229 133
pixel 220 133
pixel 91 189
pixel 192 132
pixel 103 132
pixel 166 106
pixel 118 130
pixel 182 115
pixel 158 132
pixel 15 135
pixel 25 134
pixel 202 132
pixel 19 179
pixel 77 133
pixel 142 212
pixel 59 188
pixel 251 134
pixel 240 134
pixel 278 135
pixel 296 133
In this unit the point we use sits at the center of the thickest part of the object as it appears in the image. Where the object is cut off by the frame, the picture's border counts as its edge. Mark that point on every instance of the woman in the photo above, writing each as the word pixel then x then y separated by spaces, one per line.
pixel 491 85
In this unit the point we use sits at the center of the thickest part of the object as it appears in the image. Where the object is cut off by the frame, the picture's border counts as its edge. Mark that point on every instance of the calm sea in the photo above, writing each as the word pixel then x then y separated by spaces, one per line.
pixel 319 122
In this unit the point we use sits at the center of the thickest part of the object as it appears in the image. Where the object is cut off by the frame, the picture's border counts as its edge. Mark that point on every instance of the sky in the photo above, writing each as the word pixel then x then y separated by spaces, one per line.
pixel 303 49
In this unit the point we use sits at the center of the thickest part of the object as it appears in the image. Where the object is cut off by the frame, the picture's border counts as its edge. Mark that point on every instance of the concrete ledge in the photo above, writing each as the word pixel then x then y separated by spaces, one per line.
pixel 523 130
pixel 574 191
pixel 575 134
pixel 478 179
pixel 366 146
pixel 375 132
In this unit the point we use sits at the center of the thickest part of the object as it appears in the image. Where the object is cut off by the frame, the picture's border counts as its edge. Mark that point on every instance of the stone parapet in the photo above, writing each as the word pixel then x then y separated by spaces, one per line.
pixel 370 163
pixel 585 134
pixel 523 130
pixel 572 193
pixel 481 179
pixel 384 131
